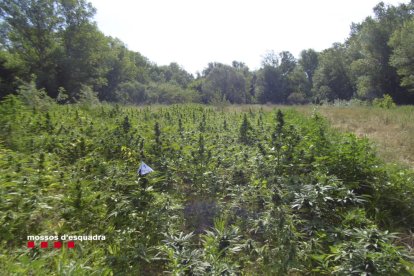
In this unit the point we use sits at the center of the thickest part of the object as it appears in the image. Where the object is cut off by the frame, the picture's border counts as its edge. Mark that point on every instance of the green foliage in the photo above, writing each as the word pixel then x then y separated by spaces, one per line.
pixel 287 195
pixel 173 73
pixel 296 98
pixel 332 77
pixel 367 252
pixel 157 133
pixel 246 131
pixel 384 102
pixel 10 67
pixel 87 97
pixel 225 83
pixel 402 42
pixel 182 259
pixel 33 97
pixel 274 84
pixel 371 55
pixel 62 96
pixel 132 92
pixel 58 42
pixel 309 60
pixel 31 29
pixel 170 93
pixel 126 125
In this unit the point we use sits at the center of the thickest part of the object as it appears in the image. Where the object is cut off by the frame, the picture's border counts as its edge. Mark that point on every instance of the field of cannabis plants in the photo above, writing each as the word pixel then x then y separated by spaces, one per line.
pixel 232 193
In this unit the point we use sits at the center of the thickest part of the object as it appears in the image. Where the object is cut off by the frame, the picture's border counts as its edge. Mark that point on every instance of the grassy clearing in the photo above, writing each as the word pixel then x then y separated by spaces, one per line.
pixel 391 130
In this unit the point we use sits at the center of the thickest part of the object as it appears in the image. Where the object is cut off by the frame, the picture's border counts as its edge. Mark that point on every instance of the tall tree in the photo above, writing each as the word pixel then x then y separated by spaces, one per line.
pixel 122 69
pixel 274 78
pixel 174 73
pixel 402 42
pixel 287 63
pixel 10 67
pixel 332 77
pixel 224 82
pixel 309 62
pixel 368 45
pixel 86 49
pixel 57 41
pixel 30 32
pixel 300 87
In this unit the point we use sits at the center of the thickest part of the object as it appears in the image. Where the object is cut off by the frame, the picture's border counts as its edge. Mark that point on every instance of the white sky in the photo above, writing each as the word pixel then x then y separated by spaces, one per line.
pixel 196 32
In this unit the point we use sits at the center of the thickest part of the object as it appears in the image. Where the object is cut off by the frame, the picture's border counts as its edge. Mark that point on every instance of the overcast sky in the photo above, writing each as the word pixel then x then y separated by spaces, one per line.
pixel 194 32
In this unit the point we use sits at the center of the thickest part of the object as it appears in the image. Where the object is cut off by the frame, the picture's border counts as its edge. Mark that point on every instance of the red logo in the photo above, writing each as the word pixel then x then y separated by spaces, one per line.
pixel 56 244
pixel 71 244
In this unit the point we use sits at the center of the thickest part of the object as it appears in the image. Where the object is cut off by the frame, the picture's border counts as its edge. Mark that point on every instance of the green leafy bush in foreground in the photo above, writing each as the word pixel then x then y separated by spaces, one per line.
pixel 266 193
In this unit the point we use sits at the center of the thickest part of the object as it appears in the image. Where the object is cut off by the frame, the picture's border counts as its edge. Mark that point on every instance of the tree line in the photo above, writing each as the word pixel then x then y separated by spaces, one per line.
pixel 57 47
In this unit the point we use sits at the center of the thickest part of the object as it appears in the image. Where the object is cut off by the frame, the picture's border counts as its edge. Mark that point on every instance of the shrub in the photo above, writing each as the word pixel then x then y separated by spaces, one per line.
pixel 132 92
pixel 384 102
pixel 169 93
pixel 33 97
pixel 297 98
pixel 87 96
pixel 62 96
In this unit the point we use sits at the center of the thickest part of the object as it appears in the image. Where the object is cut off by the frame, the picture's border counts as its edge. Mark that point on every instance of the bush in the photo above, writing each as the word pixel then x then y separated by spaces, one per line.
pixel 132 92
pixel 33 97
pixel 384 102
pixel 170 93
pixel 87 96
pixel 297 98
pixel 62 96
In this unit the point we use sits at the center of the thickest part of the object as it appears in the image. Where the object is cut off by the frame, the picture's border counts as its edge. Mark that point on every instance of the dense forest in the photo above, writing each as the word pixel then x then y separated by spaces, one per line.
pixel 56 46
